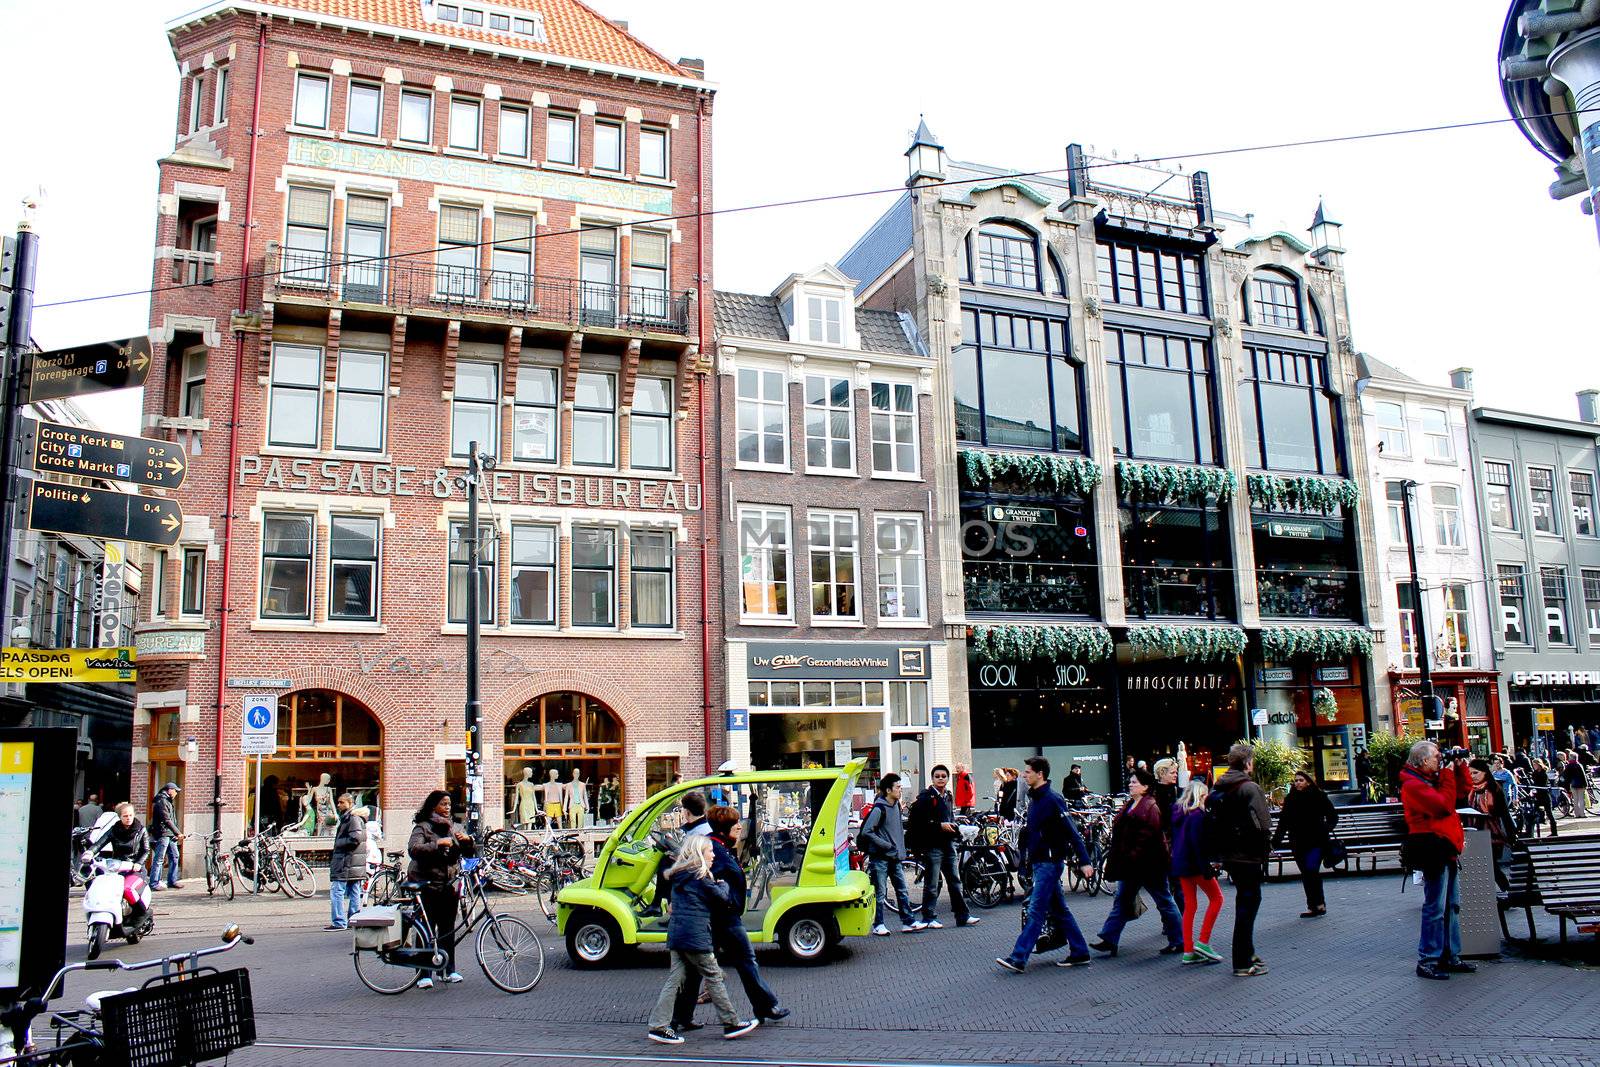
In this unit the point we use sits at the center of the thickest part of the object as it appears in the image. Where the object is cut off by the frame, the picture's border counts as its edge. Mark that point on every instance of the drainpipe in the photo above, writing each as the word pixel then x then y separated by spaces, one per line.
pixel 706 295
pixel 254 134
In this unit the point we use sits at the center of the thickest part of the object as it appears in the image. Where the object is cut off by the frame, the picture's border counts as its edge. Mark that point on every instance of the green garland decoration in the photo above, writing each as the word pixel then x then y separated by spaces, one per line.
pixel 1029 471
pixel 1165 483
pixel 1325 643
pixel 1187 642
pixel 1276 492
pixel 1050 644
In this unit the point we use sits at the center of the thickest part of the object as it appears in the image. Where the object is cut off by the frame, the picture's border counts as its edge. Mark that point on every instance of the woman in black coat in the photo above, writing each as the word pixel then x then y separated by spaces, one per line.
pixel 1308 817
pixel 436 848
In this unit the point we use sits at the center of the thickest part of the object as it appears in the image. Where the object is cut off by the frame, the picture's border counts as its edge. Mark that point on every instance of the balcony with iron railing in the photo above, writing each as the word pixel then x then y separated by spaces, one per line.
pixel 1022 587
pixel 1184 591
pixel 454 291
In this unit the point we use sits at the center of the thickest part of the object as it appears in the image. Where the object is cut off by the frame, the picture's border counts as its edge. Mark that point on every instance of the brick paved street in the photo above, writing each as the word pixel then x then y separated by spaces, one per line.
pixel 1341 991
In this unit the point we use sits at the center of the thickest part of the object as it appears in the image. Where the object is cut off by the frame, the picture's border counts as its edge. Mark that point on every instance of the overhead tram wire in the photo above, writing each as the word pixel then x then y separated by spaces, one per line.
pixel 823 199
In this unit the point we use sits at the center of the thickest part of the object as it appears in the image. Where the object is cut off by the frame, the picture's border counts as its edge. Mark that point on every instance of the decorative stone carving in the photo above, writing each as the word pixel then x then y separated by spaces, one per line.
pixel 1091 305
pixel 1346 345
pixel 937 285
pixel 1224 325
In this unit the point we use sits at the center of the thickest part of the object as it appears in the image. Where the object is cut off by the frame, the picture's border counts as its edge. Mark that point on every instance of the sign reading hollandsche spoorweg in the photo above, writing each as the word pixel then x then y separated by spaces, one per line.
pixel 43 665
pixel 76 509
pixel 95 368
pixel 86 453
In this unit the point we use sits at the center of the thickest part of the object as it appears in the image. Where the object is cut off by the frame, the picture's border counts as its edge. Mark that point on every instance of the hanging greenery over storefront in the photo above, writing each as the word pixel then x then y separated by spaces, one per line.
pixel 1324 643
pixel 1028 471
pixel 1275 492
pixel 1053 644
pixel 1186 642
pixel 1168 483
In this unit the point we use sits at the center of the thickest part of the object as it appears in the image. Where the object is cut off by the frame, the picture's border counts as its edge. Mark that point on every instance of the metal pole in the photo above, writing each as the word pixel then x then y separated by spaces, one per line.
pixel 258 795
pixel 17 340
pixel 1424 666
pixel 474 734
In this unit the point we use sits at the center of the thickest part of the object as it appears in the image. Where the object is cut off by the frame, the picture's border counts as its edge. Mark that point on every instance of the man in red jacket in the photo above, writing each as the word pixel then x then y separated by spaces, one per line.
pixel 965 790
pixel 1430 796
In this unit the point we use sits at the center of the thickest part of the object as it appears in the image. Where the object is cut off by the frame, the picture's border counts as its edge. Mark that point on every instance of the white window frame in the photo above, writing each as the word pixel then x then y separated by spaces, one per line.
pixel 1565 606
pixel 275 387
pixel 201 355
pixel 826 409
pixel 381 391
pixel 900 567
pixel 621 131
pixel 1501 577
pixel 1407 630
pixel 553 568
pixel 350 94
pixel 827 549
pixel 1437 447
pixel 490 403
pixel 758 560
pixel 824 319
pixel 527 131
pixel 400 123
pixel 671 571
pixel 760 407
pixel 665 138
pixel 477 124
pixel 376 563
pixel 1555 502
pixel 895 418
pixel 1509 487
pixel 1395 510
pixel 1442 523
pixel 1572 504
pixel 555 118
pixel 196 85
pixel 1394 437
pixel 1591 605
pixel 300 79
pixel 1457 619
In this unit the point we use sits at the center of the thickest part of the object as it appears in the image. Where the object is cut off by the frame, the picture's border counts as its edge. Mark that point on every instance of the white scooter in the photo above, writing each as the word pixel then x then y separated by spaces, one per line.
pixel 116 902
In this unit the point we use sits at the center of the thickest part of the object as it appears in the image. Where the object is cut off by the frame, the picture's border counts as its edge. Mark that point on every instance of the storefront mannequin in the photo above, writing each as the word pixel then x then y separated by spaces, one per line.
pixel 554 795
pixel 319 802
pixel 525 799
pixel 577 800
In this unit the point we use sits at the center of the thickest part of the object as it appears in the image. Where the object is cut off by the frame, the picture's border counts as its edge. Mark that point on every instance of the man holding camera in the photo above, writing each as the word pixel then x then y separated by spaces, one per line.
pixel 1432 785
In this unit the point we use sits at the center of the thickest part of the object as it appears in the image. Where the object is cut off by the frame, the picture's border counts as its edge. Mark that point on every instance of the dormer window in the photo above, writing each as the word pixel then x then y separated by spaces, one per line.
pixel 825 320
pixel 522 24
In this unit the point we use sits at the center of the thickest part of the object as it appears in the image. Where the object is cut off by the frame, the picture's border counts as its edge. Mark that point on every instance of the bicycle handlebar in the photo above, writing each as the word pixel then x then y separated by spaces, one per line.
pixel 231 937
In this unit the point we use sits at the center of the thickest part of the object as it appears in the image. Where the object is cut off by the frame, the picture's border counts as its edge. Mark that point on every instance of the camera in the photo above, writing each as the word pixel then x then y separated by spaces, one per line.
pixel 1455 753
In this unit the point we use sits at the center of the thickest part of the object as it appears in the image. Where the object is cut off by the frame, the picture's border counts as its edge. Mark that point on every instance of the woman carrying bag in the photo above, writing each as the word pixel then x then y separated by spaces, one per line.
pixel 1308 818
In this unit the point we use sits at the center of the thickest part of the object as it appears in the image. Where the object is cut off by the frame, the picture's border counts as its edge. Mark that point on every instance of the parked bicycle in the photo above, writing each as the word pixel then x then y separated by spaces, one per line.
pixel 219 866
pixel 988 862
pixel 383 879
pixel 395 945
pixel 263 863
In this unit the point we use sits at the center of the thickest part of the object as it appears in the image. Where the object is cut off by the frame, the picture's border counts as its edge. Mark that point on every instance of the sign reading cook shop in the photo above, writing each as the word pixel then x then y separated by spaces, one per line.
pixel 505 487
pixel 825 659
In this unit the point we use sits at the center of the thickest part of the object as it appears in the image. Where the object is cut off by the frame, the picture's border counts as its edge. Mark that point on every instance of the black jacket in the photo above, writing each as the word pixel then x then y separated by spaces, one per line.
pixel 1049 833
pixel 435 854
pixel 725 868
pixel 1165 796
pixel 1247 819
pixel 696 905
pixel 348 863
pixel 163 823
pixel 1307 818
pixel 1007 801
pixel 131 843
pixel 929 810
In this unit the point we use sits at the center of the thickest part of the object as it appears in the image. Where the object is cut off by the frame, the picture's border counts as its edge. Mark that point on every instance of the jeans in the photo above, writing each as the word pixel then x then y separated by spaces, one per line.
pixel 166 854
pixel 1247 879
pixel 1441 916
pixel 735 952
pixel 1310 864
pixel 1046 900
pixel 344 897
pixel 941 861
pixel 1122 909
pixel 885 870
pixel 1191 904
pixel 687 965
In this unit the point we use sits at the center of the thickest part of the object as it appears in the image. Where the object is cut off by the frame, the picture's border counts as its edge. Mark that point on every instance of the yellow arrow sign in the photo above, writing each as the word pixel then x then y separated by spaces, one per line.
pixel 140 361
pixel 170 522
pixel 174 466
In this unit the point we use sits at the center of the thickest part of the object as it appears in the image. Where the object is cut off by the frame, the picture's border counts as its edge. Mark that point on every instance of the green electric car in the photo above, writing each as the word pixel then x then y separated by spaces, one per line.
pixel 795 851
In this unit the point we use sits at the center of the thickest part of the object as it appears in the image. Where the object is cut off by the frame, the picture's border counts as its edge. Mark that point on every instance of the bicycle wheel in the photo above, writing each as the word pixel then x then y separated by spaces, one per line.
pixel 510 954
pixel 981 880
pixel 506 880
pixel 381 889
pixel 381 975
pixel 244 872
pixel 299 880
pixel 211 873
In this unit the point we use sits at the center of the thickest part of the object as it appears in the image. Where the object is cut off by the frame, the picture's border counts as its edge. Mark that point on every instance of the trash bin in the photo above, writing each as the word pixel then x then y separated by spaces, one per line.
pixel 1480 909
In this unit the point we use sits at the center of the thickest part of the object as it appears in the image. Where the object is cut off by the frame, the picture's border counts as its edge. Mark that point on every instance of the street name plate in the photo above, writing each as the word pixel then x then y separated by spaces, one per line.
pixel 97 368
pixel 75 509
pixel 85 453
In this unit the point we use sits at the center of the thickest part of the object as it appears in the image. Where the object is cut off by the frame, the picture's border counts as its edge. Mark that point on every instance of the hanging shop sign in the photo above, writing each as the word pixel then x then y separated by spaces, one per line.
pixel 41 665
pixel 1024 516
pixel 110 593
pixel 1275 675
pixel 1333 674
pixel 828 659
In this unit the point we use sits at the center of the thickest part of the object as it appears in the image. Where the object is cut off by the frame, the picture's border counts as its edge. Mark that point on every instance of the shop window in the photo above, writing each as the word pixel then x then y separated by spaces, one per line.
pixel 533 574
pixel 1043 566
pixel 659 772
pixel 594 576
pixel 1513 599
pixel 1305 566
pixel 287 542
pixel 594 420
pixel 832 538
pixel 894 428
pixel 1289 416
pixel 1159 396
pixel 1176 562
pixel 1542 500
pixel 1497 494
pixel 908 703
pixel 1408 625
pixel 1007 256
pixel 1456 637
pixel 830 424
pixel 353 567
pixel 1580 485
pixel 1553 586
pixel 360 400
pixel 650 424
pixel 475 408
pixel 1151 278
pixel 762 418
pixel 310 102
pixel 320 732
pixel 1447 531
pixel 1390 420
pixel 563 732
pixel 1014 385
pixel 900 566
pixel 1394 508
pixel 764 563
pixel 536 415
pixel 1591 605
pixel 488 575
pixel 650 577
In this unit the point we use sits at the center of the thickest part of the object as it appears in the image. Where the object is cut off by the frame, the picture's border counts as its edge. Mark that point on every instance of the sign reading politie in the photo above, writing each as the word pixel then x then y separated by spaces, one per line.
pixel 77 509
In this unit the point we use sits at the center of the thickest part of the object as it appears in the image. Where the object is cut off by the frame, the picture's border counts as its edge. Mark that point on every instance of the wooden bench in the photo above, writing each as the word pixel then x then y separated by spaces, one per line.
pixel 1566 871
pixel 1364 829
pixel 1522 892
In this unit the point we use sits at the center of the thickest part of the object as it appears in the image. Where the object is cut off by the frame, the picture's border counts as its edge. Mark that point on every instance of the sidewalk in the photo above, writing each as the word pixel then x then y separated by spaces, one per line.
pixel 189 911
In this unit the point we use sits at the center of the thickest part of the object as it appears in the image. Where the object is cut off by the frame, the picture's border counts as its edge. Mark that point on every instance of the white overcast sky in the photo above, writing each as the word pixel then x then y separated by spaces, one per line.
pixel 1457 256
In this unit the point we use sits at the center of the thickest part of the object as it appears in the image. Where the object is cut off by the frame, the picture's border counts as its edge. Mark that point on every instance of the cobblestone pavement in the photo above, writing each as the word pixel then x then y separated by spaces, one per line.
pixel 1340 992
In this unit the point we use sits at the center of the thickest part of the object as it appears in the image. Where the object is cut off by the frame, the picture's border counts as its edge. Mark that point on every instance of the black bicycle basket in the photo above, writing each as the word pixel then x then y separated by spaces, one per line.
pixel 180 1023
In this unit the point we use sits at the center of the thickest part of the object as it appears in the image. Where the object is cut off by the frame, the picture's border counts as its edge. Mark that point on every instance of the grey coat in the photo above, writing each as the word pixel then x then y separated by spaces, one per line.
pixel 349 860
pixel 883 832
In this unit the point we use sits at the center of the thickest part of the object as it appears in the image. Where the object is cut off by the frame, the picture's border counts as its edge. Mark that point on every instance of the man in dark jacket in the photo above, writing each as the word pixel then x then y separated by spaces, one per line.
pixel 1048 836
pixel 1243 821
pixel 347 866
pixel 1072 787
pixel 883 841
pixel 934 820
pixel 165 833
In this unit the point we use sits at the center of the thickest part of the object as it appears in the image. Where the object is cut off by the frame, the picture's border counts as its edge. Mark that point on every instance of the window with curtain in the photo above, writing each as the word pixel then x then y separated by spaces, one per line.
pixel 1159 396
pixel 1408 626
pixel 1014 385
pixel 488 573
pixel 512 259
pixel 1289 416
pixel 1456 631
pixel 305 236
pixel 287 542
pixel 648 275
pixel 1447 530
pixel 536 418
pixel 457 257
pixel 650 575
pixel 1394 498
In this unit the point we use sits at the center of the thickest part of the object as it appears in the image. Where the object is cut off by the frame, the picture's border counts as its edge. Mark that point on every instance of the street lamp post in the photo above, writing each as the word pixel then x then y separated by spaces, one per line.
pixel 1424 667
pixel 477 463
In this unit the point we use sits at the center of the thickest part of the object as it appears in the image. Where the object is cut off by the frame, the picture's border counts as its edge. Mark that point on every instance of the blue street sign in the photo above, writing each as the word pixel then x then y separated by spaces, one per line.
pixel 738 719
pixel 941 718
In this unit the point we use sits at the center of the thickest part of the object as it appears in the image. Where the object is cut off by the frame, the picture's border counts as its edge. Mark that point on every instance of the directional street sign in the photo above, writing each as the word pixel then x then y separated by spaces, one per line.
pixel 74 509
pixel 258 727
pixel 89 369
pixel 89 453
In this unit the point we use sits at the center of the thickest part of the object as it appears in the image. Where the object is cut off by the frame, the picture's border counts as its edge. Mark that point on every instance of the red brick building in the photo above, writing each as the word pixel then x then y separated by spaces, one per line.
pixel 457 222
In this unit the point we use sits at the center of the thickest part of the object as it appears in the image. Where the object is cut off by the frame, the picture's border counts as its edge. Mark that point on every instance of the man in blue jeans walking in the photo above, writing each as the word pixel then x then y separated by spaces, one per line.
pixel 1430 793
pixel 1046 837
pixel 165 832
pixel 883 840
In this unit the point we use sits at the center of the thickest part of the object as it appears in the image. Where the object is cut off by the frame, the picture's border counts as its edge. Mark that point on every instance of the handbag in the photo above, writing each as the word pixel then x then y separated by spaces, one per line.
pixel 1335 854
pixel 1051 937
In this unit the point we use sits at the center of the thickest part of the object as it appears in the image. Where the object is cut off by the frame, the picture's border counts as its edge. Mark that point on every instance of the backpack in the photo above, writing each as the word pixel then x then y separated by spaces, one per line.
pixel 1227 824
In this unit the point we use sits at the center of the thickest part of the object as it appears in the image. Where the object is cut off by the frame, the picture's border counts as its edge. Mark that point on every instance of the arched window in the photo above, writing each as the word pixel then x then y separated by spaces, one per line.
pixel 320 732
pixel 1058 276
pixel 1007 256
pixel 560 732
pixel 1274 300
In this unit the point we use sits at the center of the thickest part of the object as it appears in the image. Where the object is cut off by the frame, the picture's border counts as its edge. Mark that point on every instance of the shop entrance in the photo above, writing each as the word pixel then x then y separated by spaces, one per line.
pixel 1162 705
pixel 328 743
pixel 546 741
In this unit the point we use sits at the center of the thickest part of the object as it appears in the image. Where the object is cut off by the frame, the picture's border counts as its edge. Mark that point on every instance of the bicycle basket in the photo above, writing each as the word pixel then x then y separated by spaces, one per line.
pixel 376 927
pixel 178 1023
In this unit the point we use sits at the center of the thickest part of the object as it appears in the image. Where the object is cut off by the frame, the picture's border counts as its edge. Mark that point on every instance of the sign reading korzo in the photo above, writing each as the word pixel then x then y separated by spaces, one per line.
pixel 86 453
pixel 36 665
pixel 76 509
pixel 97 368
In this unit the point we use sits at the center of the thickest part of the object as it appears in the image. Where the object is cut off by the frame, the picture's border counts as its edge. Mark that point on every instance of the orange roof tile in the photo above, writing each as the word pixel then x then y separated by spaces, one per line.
pixel 575 30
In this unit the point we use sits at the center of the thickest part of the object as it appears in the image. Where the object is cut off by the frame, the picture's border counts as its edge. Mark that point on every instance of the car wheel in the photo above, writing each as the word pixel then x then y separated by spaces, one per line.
pixel 593 940
pixel 809 936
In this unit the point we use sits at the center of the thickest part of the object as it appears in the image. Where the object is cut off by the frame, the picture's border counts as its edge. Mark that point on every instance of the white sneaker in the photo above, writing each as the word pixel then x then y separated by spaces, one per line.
pixel 424 983
pixel 934 924
pixel 453 977
pixel 880 930
pixel 918 925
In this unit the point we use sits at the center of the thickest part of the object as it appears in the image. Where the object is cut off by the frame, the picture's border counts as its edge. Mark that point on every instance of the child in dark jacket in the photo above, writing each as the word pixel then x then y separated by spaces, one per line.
pixel 1192 866
pixel 697 898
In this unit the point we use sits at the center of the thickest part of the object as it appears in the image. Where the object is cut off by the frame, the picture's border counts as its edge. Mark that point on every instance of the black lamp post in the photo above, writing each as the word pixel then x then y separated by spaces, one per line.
pixel 477 464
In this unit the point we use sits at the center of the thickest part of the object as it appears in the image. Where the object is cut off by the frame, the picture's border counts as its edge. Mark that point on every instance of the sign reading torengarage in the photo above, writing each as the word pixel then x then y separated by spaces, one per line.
pixel 827 659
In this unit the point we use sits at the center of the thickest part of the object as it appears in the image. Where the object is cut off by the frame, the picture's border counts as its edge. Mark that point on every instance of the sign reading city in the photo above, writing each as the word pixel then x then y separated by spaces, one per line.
pixel 86 453
pixel 76 509
pixel 258 726
pixel 40 665
pixel 95 368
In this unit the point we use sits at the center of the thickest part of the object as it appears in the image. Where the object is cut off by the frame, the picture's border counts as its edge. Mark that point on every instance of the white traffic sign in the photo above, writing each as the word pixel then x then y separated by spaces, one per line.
pixel 258 726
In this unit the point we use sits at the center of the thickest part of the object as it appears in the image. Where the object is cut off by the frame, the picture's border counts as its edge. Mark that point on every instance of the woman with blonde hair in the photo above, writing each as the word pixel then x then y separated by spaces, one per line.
pixel 697 898
pixel 1195 870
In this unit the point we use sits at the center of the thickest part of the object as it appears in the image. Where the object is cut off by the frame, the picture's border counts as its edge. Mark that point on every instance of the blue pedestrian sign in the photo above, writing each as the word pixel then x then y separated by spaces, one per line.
pixel 258 726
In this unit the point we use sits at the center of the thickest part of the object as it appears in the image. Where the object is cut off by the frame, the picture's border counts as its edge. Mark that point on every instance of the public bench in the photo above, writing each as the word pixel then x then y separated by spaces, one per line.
pixel 1566 871
pixel 1371 830
pixel 1522 891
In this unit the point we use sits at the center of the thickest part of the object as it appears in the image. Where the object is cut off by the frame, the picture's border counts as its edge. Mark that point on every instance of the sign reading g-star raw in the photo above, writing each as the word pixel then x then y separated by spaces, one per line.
pixel 89 369
pixel 86 453
pixel 74 509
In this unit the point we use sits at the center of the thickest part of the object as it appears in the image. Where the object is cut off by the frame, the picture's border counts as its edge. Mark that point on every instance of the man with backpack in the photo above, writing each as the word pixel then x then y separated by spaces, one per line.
pixel 934 834
pixel 1047 836
pixel 883 841
pixel 1238 826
